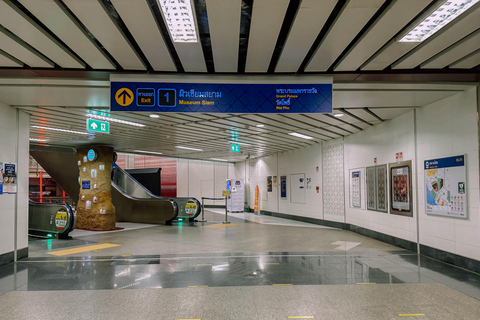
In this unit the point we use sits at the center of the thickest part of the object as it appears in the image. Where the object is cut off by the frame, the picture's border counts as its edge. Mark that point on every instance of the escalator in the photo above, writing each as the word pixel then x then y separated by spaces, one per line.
pixel 132 201
pixel 50 220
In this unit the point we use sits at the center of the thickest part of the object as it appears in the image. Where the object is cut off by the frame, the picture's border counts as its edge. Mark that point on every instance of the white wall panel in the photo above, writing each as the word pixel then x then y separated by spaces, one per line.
pixel 97 21
pixel 264 30
pixel 310 18
pixel 57 21
pixel 224 23
pixel 29 33
pixel 137 16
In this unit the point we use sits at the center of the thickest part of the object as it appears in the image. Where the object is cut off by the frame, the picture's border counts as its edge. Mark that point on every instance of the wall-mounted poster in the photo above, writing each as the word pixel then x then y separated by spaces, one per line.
pixel 401 188
pixel 371 189
pixel 1 177
pixel 274 179
pixel 283 187
pixel 382 193
pixel 269 183
pixel 445 187
pixel 9 178
pixel 355 197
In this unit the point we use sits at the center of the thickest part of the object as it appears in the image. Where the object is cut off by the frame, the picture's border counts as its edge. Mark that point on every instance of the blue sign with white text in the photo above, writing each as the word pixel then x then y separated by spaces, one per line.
pixel 220 97
pixel 458 161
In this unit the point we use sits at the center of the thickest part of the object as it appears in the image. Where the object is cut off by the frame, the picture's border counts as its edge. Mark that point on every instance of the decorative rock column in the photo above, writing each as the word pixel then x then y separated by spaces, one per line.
pixel 95 210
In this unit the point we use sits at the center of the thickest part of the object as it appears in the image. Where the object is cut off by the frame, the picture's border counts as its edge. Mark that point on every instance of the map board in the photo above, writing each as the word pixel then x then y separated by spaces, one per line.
pixel 445 186
pixel 355 189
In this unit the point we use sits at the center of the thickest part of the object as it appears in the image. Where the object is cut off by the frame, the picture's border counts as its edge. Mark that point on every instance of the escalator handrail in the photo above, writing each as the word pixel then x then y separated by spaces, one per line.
pixel 70 212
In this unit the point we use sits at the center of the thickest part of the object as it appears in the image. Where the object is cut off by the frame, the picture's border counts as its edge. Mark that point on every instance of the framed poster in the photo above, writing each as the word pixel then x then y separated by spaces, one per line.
pixel 371 189
pixel 269 183
pixel 1 177
pixel 401 188
pixel 355 189
pixel 283 187
pixel 445 187
pixel 381 183
pixel 9 178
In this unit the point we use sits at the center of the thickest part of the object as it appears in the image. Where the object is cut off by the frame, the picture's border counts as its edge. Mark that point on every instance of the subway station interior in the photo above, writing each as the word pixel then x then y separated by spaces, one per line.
pixel 239 159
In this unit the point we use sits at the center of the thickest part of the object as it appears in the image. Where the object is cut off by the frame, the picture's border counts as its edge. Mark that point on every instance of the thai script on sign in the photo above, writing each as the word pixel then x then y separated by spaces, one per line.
pixel 313 90
pixel 283 102
pixel 196 94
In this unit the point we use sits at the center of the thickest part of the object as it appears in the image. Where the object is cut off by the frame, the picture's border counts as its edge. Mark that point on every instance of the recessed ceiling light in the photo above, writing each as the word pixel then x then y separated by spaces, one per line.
pixel 187 148
pixel 260 125
pixel 218 159
pixel 61 130
pixel 178 15
pixel 300 135
pixel 444 14
pixel 94 116
pixel 39 140
pixel 147 152
pixel 338 115
pixel 154 116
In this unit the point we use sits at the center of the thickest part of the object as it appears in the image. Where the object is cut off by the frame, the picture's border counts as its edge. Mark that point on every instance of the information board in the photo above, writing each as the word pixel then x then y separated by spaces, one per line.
pixel 445 187
pixel 283 187
pixel 355 189
pixel 220 97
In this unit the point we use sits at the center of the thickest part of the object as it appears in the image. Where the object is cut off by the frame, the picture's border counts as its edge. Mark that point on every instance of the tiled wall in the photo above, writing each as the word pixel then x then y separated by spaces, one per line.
pixel 333 186
pixel 8 147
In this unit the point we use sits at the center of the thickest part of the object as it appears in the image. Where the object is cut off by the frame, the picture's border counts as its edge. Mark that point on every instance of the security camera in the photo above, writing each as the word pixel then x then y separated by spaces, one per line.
pixel 248 156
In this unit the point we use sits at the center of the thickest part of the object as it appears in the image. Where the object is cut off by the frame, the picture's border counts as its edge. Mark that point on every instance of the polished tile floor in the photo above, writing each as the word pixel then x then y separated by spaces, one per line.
pixel 256 267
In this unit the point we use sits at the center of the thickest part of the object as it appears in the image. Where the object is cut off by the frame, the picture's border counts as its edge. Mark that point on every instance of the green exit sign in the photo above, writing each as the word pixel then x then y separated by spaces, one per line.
pixel 234 147
pixel 98 126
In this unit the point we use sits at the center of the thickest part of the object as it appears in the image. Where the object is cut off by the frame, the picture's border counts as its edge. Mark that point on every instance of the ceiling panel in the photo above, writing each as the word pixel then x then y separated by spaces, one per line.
pixel 57 21
pixel 459 50
pixel 31 34
pixel 97 21
pixel 191 56
pixel 392 21
pixel 450 34
pixel 7 62
pixel 468 62
pixel 264 30
pixel 139 20
pixel 224 23
pixel 310 19
pixel 23 54
pixel 390 113
pixel 352 19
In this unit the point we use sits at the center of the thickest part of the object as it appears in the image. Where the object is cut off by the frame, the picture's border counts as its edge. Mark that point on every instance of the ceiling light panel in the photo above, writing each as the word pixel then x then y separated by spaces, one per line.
pixel 33 35
pixel 446 13
pixel 309 21
pixel 351 20
pixel 265 27
pixel 178 15
pixel 99 23
pixel 398 14
pixel 138 17
pixel 188 148
pixel 149 152
pixel 60 130
pixel 299 135
pixel 56 20
pixel 460 28
pixel 224 23
pixel 455 52
pixel 94 116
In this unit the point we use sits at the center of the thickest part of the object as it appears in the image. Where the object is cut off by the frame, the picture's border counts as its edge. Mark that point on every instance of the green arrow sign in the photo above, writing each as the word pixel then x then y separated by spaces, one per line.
pixel 234 147
pixel 98 126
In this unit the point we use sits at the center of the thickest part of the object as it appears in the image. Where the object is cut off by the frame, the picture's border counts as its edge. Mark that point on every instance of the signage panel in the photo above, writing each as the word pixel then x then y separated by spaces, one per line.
pixel 234 147
pixel 220 97
pixel 98 126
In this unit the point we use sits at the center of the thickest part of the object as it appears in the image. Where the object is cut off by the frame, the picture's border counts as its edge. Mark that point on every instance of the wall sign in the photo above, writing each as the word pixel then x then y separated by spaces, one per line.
pixel 445 187
pixel 269 184
pixel 283 187
pixel 355 198
pixel 1 177
pixel 91 155
pixel 9 178
pixel 220 97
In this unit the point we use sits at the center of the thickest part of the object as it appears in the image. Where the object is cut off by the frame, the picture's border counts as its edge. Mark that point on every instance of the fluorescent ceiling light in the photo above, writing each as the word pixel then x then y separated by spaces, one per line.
pixel 338 115
pixel 94 116
pixel 178 15
pixel 218 159
pixel 260 125
pixel 40 140
pixel 154 116
pixel 445 14
pixel 147 152
pixel 187 148
pixel 300 135
pixel 61 130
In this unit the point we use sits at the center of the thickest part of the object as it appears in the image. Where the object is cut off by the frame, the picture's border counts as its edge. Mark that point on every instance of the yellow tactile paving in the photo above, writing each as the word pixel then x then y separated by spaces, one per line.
pixel 83 249
pixel 221 225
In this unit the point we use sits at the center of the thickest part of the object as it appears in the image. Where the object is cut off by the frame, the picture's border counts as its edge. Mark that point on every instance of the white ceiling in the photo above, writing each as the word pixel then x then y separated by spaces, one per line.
pixel 56 57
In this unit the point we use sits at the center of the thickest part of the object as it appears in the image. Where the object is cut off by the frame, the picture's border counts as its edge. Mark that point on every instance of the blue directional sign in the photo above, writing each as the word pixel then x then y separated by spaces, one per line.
pixel 220 97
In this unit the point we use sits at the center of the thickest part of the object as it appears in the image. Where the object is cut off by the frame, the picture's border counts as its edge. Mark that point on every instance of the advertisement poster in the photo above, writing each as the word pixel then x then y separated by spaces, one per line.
pixel 371 194
pixel 269 183
pixel 382 198
pixel 445 187
pixel 1 177
pixel 274 181
pixel 400 188
pixel 355 189
pixel 283 187
pixel 9 178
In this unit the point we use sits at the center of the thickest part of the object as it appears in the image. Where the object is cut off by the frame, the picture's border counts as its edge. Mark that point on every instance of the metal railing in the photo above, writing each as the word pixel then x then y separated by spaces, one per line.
pixel 43 199
pixel 203 209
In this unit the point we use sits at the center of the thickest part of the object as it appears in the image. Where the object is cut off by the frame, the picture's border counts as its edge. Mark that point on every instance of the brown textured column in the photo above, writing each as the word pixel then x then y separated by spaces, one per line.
pixel 95 210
